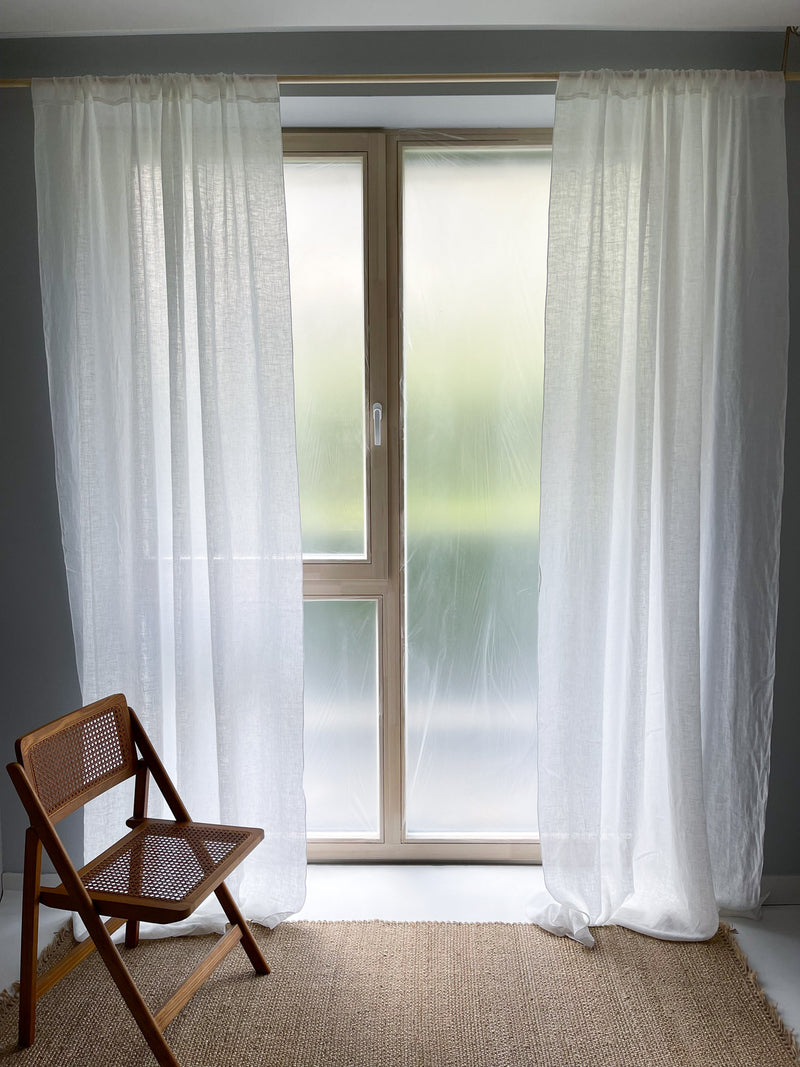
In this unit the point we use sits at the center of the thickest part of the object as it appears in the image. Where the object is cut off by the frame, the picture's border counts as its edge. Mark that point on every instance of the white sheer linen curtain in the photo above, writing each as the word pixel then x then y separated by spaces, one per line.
pixel 165 291
pixel 662 471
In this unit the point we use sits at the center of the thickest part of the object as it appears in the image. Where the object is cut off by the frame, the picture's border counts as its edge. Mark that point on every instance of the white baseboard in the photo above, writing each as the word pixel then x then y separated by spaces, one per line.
pixel 781 889
pixel 13 882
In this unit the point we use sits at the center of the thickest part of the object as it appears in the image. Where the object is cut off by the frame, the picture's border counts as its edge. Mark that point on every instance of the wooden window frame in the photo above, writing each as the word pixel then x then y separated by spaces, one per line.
pixel 379 577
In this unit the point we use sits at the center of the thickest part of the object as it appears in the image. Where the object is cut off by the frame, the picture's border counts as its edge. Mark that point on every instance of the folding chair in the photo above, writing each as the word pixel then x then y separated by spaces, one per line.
pixel 160 872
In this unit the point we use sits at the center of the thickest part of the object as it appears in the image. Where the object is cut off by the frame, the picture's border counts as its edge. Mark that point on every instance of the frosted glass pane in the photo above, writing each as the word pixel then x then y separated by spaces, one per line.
pixel 474 262
pixel 324 212
pixel 341 718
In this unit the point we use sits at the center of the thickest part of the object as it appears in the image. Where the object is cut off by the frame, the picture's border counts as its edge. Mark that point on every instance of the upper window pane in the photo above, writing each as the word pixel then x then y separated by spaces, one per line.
pixel 325 218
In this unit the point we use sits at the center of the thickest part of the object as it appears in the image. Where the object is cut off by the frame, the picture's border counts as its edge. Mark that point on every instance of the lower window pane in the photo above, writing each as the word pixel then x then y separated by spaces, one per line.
pixel 342 719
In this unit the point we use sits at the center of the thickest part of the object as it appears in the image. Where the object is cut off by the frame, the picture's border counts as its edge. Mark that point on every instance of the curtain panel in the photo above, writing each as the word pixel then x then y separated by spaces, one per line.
pixel 662 472
pixel 165 292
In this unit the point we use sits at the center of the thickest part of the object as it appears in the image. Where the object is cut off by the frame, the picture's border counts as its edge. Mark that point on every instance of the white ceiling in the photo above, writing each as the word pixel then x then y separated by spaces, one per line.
pixel 57 17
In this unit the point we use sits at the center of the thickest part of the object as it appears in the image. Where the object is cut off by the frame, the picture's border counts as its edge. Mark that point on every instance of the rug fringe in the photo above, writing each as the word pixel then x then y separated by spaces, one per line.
pixel 58 947
pixel 788 1037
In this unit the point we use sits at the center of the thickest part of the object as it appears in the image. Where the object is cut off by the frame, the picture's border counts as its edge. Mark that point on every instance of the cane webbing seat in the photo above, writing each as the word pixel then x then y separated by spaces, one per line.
pixel 159 872
pixel 169 867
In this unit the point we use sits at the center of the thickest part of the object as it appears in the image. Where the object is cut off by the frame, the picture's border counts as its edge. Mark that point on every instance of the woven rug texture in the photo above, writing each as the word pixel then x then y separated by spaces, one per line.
pixel 384 994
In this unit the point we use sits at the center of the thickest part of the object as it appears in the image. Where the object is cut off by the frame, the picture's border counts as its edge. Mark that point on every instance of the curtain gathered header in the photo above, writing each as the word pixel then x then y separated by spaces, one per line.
pixel 150 87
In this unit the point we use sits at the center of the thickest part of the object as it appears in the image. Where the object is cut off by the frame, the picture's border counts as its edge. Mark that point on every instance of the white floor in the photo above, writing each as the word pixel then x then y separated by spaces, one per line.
pixel 463 894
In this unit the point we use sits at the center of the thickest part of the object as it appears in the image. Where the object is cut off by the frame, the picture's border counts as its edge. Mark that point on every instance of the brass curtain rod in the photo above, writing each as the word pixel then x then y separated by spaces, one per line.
pixel 370 79
pixel 396 79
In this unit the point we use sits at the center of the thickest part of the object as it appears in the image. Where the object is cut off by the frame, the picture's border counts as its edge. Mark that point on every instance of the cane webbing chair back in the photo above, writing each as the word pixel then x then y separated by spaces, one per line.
pixel 80 756
pixel 160 871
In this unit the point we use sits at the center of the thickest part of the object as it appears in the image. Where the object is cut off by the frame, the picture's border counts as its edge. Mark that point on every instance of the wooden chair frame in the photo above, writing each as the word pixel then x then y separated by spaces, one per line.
pixel 134 756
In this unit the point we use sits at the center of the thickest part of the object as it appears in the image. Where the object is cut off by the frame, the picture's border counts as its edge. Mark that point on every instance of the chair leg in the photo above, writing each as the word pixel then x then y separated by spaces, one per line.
pixel 127 987
pixel 30 938
pixel 236 918
pixel 139 812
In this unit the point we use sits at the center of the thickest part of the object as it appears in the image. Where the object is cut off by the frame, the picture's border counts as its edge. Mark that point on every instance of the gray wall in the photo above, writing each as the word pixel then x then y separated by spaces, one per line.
pixel 37 665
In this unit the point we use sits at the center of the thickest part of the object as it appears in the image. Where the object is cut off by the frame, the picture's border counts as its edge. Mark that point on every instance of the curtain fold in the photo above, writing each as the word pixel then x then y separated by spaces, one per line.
pixel 662 469
pixel 165 292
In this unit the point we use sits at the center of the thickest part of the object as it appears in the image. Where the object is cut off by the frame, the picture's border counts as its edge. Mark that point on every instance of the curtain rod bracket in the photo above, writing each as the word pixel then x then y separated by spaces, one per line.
pixel 789 31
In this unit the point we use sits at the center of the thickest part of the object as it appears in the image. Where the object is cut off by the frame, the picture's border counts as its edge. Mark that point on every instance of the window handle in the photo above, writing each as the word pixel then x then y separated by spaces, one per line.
pixel 377 416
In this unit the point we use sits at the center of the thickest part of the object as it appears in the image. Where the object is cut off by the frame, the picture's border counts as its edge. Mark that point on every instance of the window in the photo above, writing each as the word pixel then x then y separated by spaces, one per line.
pixel 418 266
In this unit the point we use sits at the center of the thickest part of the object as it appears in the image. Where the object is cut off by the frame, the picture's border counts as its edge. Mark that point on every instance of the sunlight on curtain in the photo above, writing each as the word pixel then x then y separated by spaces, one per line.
pixel 165 293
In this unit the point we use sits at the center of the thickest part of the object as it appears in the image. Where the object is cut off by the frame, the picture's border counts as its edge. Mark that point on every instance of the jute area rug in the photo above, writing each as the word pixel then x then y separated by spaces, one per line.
pixel 380 994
